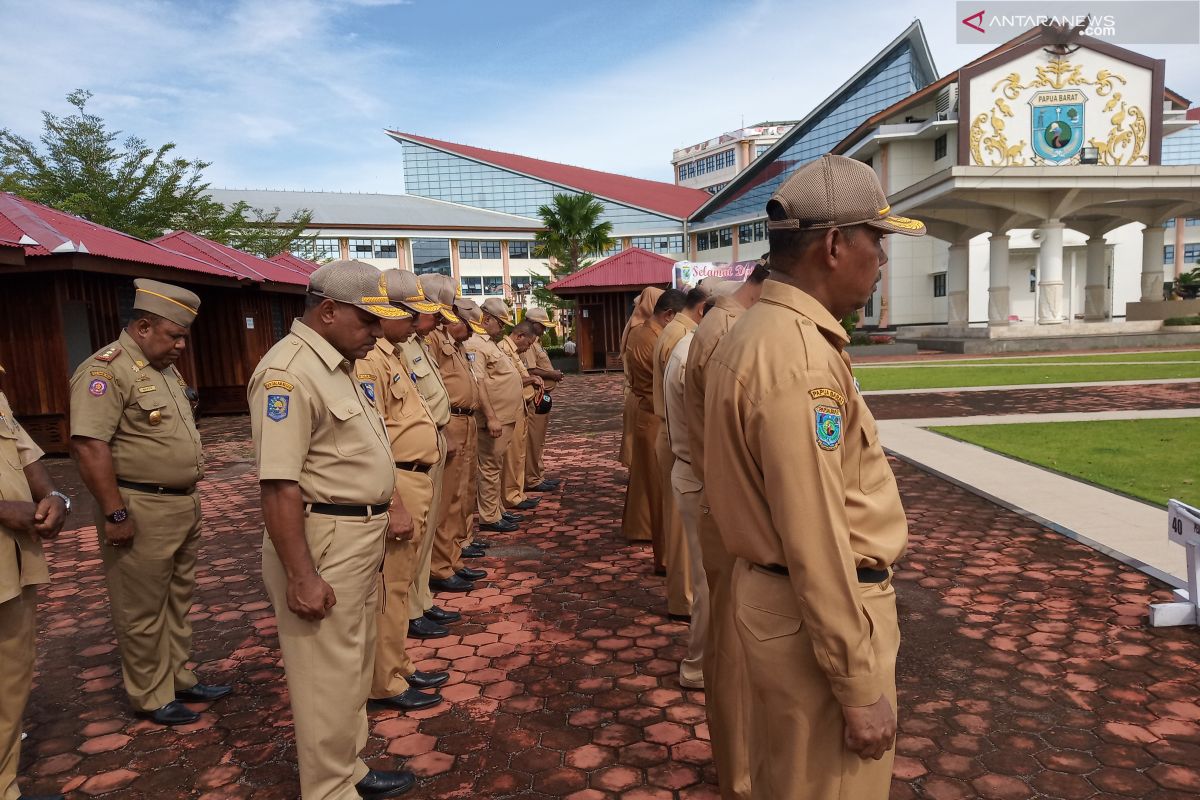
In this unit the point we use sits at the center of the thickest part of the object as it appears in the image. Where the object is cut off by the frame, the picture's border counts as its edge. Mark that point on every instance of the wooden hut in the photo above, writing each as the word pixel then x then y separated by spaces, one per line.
pixel 603 295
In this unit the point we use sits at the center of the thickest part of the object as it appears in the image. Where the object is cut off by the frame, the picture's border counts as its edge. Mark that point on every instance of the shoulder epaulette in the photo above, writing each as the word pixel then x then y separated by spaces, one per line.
pixel 109 354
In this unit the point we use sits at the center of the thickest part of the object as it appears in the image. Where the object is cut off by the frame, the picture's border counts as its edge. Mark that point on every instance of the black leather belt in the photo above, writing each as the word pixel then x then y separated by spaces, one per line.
pixel 413 466
pixel 150 488
pixel 459 411
pixel 865 574
pixel 334 510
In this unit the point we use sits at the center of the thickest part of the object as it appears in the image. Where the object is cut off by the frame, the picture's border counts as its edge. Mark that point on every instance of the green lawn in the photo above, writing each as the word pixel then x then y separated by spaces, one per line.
pixel 1150 459
pixel 938 377
pixel 1147 355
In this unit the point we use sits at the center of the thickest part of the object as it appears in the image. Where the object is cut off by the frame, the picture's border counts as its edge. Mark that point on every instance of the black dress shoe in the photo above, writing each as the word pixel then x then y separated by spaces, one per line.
pixel 499 526
pixel 409 700
pixel 680 617
pixel 441 616
pixel 468 574
pixel 380 784
pixel 451 584
pixel 527 504
pixel 473 552
pixel 511 517
pixel 42 797
pixel 427 680
pixel 544 486
pixel 421 628
pixel 202 693
pixel 481 543
pixel 173 713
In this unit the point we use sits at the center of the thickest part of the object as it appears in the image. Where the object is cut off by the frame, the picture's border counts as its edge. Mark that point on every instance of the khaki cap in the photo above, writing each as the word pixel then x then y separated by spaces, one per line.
pixel 833 192
pixel 538 314
pixel 357 284
pixel 725 288
pixel 399 285
pixel 169 302
pixel 441 288
pixel 471 314
pixel 498 309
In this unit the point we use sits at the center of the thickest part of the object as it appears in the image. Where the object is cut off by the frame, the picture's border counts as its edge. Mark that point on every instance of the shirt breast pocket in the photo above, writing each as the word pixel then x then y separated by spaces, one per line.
pixel 873 467
pixel 152 414
pixel 8 446
pixel 420 367
pixel 352 432
pixel 406 396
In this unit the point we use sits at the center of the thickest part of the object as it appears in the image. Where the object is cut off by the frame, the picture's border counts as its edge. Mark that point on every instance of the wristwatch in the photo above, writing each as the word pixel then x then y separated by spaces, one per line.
pixel 66 500
pixel 118 516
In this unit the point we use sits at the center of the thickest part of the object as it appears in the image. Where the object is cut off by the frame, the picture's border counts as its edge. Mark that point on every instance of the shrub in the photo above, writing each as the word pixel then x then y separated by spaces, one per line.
pixel 1173 321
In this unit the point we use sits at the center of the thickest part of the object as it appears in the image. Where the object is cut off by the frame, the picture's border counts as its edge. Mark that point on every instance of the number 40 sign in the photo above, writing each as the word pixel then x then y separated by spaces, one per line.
pixel 1183 528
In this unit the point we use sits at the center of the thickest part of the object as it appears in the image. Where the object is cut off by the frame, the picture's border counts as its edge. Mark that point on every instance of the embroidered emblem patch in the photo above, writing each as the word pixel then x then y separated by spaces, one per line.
pixel 277 407
pixel 829 427
pixel 278 385
pixel 98 387
pixel 368 388
pixel 471 357
pixel 832 394
pixel 101 373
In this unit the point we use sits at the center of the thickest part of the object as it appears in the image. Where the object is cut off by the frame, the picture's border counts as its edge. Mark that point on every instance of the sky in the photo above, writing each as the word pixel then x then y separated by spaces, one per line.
pixel 296 94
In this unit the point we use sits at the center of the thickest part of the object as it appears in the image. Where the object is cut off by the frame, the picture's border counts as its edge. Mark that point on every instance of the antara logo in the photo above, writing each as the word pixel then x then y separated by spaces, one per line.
pixel 977 24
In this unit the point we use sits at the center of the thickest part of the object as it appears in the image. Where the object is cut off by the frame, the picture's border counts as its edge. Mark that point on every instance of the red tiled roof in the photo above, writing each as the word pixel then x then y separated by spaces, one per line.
pixel 44 231
pixel 250 266
pixel 656 196
pixel 632 267
pixel 1194 113
pixel 295 262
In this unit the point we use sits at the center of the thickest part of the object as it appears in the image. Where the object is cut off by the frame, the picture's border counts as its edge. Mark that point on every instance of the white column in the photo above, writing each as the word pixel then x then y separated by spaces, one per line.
pixel 998 307
pixel 1096 301
pixel 957 275
pixel 1050 274
pixel 1152 263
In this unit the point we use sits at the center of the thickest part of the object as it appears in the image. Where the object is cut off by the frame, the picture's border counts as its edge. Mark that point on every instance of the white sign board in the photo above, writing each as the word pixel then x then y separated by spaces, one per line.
pixel 1183 528
pixel 249 323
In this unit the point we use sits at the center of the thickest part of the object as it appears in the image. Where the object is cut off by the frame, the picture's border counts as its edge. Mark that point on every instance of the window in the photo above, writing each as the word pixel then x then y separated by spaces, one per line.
pixel 713 163
pixel 317 249
pixel 468 249
pixel 1032 281
pixel 1169 254
pixel 716 187
pixel 702 241
pixel 683 172
pixel 869 311
pixel 614 246
pixel 519 249
pixel 493 284
pixel 1169 223
pixel 726 237
pixel 1191 253
pixel 745 233
pixel 939 284
pixel 939 148
pixel 431 255
pixel 760 231
pixel 489 249
pixel 759 149
pixel 520 283
pixel 372 248
pixel 472 285
pixel 1192 222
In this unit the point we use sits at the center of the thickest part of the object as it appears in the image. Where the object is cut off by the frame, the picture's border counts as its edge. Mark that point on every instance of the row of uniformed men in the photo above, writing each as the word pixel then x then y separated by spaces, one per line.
pixel 440 362
pixel 757 475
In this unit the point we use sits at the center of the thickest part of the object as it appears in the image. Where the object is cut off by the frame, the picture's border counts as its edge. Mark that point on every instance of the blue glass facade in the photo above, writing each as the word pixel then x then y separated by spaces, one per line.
pixel 1182 147
pixel 442 176
pixel 894 77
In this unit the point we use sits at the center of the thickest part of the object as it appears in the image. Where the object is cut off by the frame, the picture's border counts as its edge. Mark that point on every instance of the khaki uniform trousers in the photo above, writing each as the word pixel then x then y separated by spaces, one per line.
pixel 420 599
pixel 796 724
pixel 16 678
pixel 535 467
pixel 514 462
pixel 457 496
pixel 491 473
pixel 329 662
pixel 674 552
pixel 150 586
pixel 642 520
pixel 392 664
pixel 687 498
pixel 726 685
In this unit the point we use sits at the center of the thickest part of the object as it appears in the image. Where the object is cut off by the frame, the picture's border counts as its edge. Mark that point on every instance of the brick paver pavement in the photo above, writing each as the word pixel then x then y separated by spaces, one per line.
pixel 1027 668
pixel 1035 401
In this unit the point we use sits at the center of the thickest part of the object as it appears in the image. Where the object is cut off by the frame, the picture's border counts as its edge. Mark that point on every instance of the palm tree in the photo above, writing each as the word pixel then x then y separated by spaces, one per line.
pixel 572 233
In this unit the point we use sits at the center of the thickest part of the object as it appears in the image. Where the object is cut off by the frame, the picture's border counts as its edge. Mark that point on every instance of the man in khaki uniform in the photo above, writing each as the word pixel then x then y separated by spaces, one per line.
pixel 502 384
pixel 806 501
pixel 386 381
pixel 645 477
pixel 135 441
pixel 537 362
pixel 514 346
pixel 327 477
pixel 675 557
pixel 726 689
pixel 30 510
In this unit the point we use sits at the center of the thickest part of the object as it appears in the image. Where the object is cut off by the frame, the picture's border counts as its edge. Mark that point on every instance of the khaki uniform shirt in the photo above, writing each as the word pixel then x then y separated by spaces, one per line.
pixel 716 323
pixel 457 373
pixel 804 481
pixel 500 377
pixel 537 358
pixel 675 330
pixel 673 388
pixel 639 362
pixel 313 424
pixel 143 414
pixel 385 379
pixel 21 561
pixel 509 348
pixel 429 381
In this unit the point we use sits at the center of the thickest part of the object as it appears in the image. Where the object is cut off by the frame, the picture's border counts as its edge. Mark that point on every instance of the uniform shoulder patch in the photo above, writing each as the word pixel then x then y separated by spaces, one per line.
pixel 108 355
pixel 278 385
pixel 101 373
pixel 98 387
pixel 832 394
pixel 368 388
pixel 829 427
pixel 277 407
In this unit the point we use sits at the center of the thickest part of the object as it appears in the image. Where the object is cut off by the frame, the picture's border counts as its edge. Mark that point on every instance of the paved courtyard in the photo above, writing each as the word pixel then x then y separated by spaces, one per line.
pixel 1027 669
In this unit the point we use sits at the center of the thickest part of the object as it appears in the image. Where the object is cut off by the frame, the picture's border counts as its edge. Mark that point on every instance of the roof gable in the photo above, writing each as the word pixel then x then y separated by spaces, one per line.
pixel 243 263
pixel 632 267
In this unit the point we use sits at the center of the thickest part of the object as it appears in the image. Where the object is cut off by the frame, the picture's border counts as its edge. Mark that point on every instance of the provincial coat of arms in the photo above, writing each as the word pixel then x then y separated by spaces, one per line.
pixel 1056 120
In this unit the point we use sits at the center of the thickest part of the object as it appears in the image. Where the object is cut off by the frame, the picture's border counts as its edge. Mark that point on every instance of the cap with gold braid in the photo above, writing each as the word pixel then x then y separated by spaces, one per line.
pixel 538 314
pixel 470 313
pixel 169 302
pixel 441 288
pixel 354 283
pixel 400 284
pixel 834 192
pixel 496 307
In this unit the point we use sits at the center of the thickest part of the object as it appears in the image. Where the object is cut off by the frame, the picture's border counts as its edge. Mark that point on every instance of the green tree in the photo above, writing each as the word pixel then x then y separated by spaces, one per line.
pixel 572 233
pixel 81 168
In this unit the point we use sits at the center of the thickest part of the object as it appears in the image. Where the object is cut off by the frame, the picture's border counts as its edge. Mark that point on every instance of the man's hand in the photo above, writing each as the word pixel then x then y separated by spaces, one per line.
pixel 119 534
pixel 494 428
pixel 310 598
pixel 50 515
pixel 400 523
pixel 18 515
pixel 870 730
